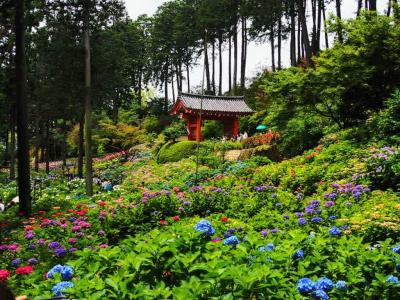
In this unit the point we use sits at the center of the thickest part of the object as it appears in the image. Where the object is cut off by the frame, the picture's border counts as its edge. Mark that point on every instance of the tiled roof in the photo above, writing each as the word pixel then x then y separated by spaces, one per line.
pixel 215 103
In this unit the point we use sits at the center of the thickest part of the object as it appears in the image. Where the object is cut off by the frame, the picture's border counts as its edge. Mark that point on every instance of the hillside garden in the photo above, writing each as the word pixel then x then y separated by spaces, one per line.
pixel 310 210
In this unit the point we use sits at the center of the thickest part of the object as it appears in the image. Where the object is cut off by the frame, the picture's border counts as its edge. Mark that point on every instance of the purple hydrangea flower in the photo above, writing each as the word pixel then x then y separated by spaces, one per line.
pixel 54 245
pixel 60 252
pixel 329 203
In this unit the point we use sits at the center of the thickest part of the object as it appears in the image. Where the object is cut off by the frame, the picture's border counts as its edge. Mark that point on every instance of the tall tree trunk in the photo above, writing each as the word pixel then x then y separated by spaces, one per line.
pixel 88 106
pixel 172 85
pixel 220 63
pixel 235 58
pixel 389 10
pixel 272 41
pixel 207 66
pixel 12 143
pixel 140 87
pixel 37 157
pixel 188 78
pixel 180 77
pixel 230 65
pixel 306 41
pixel 280 43
pixel 359 7
pixel 292 35
pixel 372 5
pixel 213 67
pixel 319 20
pixel 325 27
pixel 178 82
pixel 166 101
pixel 299 40
pixel 64 144
pixel 339 16
pixel 243 54
pixel 80 146
pixel 7 146
pixel 24 185
pixel 47 147
pixel 314 26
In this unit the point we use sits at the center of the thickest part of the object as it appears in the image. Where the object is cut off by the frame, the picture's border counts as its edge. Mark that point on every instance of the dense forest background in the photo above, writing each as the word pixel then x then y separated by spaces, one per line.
pixel 90 70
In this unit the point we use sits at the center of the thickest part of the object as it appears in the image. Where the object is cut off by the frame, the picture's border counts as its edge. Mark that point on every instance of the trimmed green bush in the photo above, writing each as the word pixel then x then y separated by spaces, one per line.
pixel 171 152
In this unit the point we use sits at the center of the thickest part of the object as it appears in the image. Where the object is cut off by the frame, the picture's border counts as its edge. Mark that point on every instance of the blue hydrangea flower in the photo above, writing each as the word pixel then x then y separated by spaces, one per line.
pixel 269 247
pixel 316 220
pixel 298 254
pixel 341 285
pixel 61 287
pixel 335 231
pixel 205 227
pixel 67 272
pixel 396 249
pixel 233 240
pixel 302 221
pixel 324 284
pixel 332 218
pixel 305 285
pixel 392 279
pixel 53 270
pixel 320 294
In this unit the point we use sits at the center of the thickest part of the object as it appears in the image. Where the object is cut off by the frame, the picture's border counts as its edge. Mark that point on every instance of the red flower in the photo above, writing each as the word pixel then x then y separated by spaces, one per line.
pixel 82 212
pixel 4 274
pixel 102 203
pixel 163 222
pixel 224 219
pixel 28 228
pixel 176 218
pixel 25 270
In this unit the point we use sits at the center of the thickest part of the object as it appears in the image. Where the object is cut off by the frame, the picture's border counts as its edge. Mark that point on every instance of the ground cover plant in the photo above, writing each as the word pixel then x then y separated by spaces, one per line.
pixel 298 229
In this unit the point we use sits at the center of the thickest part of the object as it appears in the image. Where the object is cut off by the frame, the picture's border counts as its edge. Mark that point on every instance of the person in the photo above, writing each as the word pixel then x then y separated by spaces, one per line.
pixel 107 186
pixel 2 207
pixel 245 135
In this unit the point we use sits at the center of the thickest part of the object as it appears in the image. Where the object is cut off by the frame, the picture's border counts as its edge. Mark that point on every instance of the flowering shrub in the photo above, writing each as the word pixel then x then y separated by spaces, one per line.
pixel 383 167
pixel 260 139
pixel 245 231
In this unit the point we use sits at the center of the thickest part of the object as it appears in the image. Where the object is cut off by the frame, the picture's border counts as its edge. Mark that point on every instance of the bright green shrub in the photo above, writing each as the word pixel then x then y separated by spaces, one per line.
pixel 174 131
pixel 171 152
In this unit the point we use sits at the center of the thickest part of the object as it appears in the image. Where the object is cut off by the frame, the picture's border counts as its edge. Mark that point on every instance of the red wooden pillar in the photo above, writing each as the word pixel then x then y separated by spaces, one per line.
pixel 198 129
pixel 235 127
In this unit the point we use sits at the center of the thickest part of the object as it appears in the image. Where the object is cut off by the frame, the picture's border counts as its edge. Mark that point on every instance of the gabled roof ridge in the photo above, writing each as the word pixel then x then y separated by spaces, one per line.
pixel 213 96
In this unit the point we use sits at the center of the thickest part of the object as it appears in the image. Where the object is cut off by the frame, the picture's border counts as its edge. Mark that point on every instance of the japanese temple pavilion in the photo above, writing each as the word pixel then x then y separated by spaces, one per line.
pixel 224 109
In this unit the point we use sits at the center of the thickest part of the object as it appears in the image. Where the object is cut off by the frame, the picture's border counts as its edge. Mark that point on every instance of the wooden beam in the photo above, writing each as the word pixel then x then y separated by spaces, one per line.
pixel 198 129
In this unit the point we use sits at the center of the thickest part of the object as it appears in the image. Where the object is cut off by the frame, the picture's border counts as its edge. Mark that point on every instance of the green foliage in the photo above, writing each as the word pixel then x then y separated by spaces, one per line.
pixel 301 133
pixel 176 151
pixel 211 129
pixel 174 131
pixel 387 122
